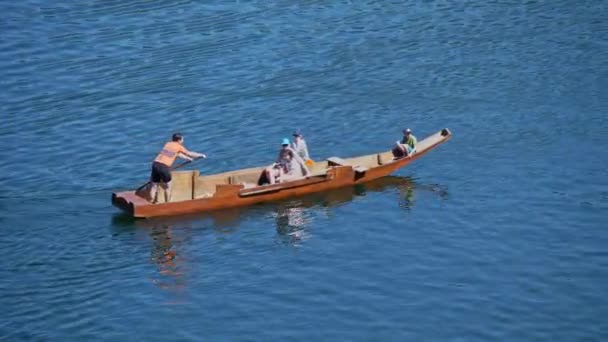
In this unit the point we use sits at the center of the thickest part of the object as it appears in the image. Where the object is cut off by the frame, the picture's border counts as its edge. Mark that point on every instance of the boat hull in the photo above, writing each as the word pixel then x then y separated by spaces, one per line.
pixel 238 195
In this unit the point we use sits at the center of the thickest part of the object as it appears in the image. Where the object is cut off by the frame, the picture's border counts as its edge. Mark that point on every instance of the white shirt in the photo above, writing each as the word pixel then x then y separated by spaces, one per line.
pixel 299 145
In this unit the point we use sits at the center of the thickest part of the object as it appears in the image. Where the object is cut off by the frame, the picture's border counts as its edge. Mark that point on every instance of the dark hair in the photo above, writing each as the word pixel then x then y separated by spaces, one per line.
pixel 177 137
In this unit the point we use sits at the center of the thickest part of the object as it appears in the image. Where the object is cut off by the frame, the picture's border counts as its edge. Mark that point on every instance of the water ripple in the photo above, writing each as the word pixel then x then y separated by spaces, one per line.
pixel 497 235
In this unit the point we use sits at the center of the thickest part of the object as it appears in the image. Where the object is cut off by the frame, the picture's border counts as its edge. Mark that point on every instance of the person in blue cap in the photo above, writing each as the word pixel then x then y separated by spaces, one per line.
pixel 288 166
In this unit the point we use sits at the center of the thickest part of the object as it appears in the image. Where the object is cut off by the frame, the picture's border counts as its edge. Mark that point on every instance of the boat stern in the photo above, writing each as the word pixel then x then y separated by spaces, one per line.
pixel 128 201
pixel 122 203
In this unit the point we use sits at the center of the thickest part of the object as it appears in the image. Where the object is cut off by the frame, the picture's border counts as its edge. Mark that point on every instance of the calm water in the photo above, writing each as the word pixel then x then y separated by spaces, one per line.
pixel 498 235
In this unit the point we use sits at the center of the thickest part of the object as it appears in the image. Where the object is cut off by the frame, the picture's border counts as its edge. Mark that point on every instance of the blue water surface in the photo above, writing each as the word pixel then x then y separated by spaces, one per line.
pixel 497 235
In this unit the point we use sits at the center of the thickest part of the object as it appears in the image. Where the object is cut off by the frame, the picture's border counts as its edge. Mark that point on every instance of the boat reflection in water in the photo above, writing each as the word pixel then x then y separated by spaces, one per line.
pixel 291 218
pixel 165 249
pixel 165 255
pixel 290 215
pixel 291 222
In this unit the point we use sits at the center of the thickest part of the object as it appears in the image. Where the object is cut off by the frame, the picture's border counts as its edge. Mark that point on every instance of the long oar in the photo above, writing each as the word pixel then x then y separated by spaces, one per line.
pixel 173 168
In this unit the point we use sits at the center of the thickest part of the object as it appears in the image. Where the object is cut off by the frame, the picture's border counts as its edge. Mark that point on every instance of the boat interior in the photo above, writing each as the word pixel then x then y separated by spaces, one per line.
pixel 188 185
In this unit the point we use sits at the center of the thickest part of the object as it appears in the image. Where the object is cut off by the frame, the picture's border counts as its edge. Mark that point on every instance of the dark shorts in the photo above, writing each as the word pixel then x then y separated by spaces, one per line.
pixel 398 153
pixel 160 173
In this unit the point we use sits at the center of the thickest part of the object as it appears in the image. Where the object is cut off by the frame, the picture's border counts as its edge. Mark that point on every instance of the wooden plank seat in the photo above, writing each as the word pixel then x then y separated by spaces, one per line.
pixel 337 161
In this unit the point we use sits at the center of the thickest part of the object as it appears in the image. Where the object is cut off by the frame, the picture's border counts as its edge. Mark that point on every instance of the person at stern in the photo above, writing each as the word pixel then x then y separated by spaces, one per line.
pixel 161 167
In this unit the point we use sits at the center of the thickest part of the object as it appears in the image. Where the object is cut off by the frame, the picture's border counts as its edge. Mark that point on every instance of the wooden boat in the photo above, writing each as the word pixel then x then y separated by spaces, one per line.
pixel 194 193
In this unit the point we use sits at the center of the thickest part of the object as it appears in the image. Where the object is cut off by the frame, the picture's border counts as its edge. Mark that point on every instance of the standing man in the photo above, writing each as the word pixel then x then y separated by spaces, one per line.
pixel 161 167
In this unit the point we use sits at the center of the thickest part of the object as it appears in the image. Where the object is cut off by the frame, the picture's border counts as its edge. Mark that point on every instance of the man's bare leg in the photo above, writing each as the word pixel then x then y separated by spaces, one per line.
pixel 270 174
pixel 167 187
pixel 153 192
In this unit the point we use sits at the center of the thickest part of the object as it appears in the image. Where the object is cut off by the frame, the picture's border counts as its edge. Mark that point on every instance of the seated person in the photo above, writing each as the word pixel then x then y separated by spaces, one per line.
pixel 299 145
pixel 407 146
pixel 288 166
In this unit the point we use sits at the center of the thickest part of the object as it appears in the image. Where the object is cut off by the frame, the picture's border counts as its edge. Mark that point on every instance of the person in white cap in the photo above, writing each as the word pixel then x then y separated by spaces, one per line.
pixel 407 145
pixel 299 145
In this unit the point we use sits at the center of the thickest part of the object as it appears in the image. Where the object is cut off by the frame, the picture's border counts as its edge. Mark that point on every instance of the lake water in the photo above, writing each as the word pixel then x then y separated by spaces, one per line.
pixel 498 235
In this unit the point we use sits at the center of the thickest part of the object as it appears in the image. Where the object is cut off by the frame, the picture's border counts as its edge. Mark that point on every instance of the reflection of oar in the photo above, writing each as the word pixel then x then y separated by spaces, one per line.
pixel 173 168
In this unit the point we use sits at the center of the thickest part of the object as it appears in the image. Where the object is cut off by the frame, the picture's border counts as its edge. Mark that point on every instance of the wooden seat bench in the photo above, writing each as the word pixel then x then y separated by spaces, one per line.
pixel 337 161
